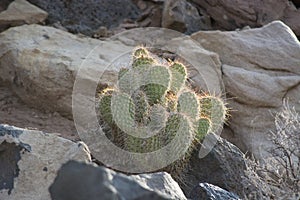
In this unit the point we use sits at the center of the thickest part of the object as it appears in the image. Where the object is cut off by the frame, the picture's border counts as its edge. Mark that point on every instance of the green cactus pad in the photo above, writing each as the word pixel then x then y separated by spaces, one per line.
pixel 129 80
pixel 123 112
pixel 142 62
pixel 179 76
pixel 157 82
pixel 105 106
pixel 122 72
pixel 188 104
pixel 158 118
pixel 214 109
pixel 141 106
pixel 139 52
pixel 203 127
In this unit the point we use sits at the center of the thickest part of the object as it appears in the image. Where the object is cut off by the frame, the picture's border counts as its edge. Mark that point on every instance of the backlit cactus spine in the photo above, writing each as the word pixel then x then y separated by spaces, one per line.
pixel 155 98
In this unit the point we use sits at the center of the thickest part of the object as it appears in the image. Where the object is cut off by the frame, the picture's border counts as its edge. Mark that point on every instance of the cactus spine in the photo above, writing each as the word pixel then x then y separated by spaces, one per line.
pixel 155 97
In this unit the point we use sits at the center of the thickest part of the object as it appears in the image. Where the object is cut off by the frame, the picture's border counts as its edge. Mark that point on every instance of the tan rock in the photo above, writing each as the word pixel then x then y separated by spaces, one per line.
pixel 21 12
pixel 41 63
pixel 260 69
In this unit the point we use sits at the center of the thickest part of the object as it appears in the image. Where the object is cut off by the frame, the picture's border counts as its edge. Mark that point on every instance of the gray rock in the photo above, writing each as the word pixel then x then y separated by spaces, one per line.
pixel 230 16
pixel 78 181
pixel 224 167
pixel 30 159
pixel 181 15
pixel 160 182
pixel 206 191
pixel 260 69
pixel 21 12
pixel 86 16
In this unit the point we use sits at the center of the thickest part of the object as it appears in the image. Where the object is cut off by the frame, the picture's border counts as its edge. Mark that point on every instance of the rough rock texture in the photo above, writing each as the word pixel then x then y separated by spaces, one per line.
pixel 41 63
pixel 160 182
pixel 181 15
pixel 86 16
pixel 151 15
pixel 29 161
pixel 78 181
pixel 208 191
pixel 21 12
pixel 229 16
pixel 260 69
pixel 224 167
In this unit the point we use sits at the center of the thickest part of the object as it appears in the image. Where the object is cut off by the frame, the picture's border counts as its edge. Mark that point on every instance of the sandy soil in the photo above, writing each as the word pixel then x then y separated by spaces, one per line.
pixel 14 112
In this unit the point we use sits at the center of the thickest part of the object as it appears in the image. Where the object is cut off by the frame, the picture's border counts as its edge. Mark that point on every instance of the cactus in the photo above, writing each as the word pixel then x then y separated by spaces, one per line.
pixel 214 109
pixel 203 126
pixel 179 75
pixel 153 98
pixel 141 106
pixel 139 52
pixel 188 104
pixel 105 106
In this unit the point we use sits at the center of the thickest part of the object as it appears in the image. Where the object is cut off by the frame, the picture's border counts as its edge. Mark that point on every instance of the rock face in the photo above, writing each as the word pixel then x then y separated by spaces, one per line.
pixel 86 16
pixel 29 161
pixel 43 69
pixel 21 12
pixel 81 181
pixel 229 16
pixel 260 69
pixel 224 167
pixel 181 16
pixel 41 63
pixel 208 191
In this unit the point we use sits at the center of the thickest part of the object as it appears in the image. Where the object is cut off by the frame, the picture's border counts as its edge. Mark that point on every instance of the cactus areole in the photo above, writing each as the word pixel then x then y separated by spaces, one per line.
pixel 152 103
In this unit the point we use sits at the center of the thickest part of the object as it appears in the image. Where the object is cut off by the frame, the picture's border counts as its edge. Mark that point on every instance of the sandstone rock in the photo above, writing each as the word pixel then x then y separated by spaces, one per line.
pixel 181 15
pixel 21 12
pixel 211 192
pixel 29 161
pixel 86 16
pixel 41 63
pixel 229 16
pixel 260 69
pixel 81 181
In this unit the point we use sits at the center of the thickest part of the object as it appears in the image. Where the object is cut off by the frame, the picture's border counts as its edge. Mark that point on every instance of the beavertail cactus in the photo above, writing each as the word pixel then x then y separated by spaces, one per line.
pixel 152 105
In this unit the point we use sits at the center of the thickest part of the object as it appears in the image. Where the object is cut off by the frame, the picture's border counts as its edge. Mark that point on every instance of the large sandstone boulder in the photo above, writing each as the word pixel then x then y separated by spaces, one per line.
pixel 30 159
pixel 41 63
pixel 21 12
pixel 260 69
pixel 79 181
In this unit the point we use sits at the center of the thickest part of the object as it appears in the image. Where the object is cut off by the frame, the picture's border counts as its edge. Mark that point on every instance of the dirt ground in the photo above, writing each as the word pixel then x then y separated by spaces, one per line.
pixel 14 112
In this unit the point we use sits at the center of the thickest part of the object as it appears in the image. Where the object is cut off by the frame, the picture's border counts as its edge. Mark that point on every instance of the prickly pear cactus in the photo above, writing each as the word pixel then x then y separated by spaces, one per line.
pixel 150 103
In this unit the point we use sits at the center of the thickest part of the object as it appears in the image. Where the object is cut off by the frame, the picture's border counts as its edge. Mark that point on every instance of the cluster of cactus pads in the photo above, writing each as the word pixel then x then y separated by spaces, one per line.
pixel 143 112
